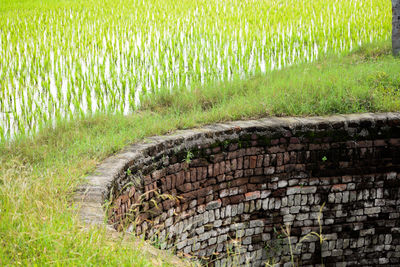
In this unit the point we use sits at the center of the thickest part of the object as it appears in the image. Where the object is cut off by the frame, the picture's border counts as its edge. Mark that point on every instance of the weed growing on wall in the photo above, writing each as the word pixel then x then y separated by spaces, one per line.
pixel 285 240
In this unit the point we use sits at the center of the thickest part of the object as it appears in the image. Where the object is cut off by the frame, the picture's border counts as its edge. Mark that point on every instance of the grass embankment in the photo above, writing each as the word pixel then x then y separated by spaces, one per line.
pixel 38 222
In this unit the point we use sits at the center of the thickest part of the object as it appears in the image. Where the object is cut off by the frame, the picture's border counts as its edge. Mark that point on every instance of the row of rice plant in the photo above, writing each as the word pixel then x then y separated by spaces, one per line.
pixel 67 59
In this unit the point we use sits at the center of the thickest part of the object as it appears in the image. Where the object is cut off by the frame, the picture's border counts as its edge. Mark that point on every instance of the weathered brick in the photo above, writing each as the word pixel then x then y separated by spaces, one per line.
pixel 339 187
pixel 252 195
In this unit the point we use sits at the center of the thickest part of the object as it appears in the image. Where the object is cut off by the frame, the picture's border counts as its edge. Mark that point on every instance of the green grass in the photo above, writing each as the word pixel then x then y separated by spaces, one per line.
pixel 38 175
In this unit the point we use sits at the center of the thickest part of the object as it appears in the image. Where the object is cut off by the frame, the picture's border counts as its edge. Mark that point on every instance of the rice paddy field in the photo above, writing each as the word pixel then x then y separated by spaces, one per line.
pixel 67 59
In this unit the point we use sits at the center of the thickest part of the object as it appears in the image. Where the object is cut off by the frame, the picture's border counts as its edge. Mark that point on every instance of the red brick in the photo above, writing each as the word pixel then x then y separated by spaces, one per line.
pixel 211 181
pixel 394 141
pixel 257 180
pixel 300 167
pixel 241 152
pixel 364 144
pixel 227 166
pixel 294 140
pixel 242 189
pixel 222 167
pixel 169 182
pixel 253 162
pixel 157 174
pixel 216 169
pixel 199 173
pixel 201 200
pixel 193 175
pixel 236 199
pixel 252 195
pixel 252 187
pixel 180 178
pixel 167 204
pixel 231 155
pixel 185 187
pixel 226 201
pixel 210 170
pixel 275 149
pixel 187 177
pixel 189 196
pixel 240 163
pixel 274 142
pixel 216 149
pixel 379 143
pixel 314 147
pixel 184 166
pixel 202 192
pixel 258 171
pixel 195 185
pixel 174 168
pixel 228 177
pixel 246 162
pixel 289 167
pixel 233 147
pixel 252 151
pixel 339 187
pixel 173 181
pixel 217 157
pixel 336 145
pixel 221 178
pixel 240 181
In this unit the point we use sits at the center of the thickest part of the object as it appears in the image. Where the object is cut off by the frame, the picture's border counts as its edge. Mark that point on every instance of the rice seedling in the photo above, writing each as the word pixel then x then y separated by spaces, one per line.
pixel 64 60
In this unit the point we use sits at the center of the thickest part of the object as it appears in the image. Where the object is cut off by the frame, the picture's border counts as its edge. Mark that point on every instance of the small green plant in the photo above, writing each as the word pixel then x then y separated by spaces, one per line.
pixel 226 144
pixel 324 158
pixel 240 144
pixel 189 156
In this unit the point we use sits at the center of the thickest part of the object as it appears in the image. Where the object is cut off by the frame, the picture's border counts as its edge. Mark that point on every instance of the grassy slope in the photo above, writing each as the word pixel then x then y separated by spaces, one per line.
pixel 38 223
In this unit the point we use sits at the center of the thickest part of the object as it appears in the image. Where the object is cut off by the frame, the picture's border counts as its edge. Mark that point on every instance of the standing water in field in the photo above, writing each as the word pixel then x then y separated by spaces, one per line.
pixel 67 59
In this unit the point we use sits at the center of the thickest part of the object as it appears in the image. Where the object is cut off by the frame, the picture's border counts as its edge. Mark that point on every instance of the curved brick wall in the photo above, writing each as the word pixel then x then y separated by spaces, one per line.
pixel 239 182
